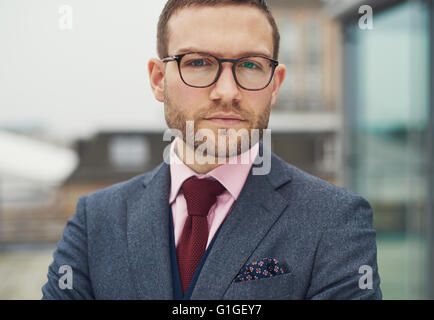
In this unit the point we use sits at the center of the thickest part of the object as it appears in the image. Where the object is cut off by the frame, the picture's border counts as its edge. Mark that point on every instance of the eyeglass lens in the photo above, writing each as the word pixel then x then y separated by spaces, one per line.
pixel 201 70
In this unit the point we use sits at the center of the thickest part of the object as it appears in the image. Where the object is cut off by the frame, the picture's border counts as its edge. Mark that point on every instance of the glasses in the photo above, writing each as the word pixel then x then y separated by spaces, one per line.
pixel 202 70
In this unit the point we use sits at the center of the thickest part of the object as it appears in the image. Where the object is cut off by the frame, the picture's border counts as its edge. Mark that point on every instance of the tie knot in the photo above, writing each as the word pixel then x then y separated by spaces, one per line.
pixel 200 195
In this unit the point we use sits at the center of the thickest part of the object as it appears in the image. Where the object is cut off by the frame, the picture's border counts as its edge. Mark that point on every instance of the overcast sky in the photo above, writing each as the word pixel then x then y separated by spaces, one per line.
pixel 76 81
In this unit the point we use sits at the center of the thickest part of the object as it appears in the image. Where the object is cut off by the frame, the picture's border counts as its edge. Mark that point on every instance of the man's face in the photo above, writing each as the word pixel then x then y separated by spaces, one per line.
pixel 230 32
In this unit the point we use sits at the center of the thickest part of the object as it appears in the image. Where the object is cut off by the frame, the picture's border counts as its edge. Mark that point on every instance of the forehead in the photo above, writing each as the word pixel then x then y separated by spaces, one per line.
pixel 228 31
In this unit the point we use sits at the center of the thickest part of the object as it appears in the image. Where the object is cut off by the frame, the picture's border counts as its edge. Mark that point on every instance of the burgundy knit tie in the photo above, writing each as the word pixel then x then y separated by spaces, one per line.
pixel 200 195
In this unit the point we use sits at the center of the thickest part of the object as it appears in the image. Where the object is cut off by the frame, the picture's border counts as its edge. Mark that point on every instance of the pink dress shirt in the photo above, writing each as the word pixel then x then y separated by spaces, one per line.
pixel 231 175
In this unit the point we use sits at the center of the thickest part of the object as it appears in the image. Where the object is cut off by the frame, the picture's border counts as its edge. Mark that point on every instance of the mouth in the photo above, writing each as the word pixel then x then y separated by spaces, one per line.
pixel 225 119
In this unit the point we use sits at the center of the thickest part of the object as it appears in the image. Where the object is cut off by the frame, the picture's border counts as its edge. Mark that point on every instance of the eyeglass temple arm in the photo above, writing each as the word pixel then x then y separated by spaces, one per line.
pixel 167 59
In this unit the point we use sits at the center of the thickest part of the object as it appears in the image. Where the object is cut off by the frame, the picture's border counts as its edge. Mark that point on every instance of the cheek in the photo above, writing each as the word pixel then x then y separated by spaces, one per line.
pixel 258 102
pixel 187 99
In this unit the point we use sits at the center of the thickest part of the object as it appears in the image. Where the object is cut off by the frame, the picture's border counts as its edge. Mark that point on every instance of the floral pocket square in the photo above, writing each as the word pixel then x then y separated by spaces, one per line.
pixel 264 268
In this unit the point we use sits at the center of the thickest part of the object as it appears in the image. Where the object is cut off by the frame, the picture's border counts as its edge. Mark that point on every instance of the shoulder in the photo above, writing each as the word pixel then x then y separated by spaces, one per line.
pixel 116 194
pixel 318 199
pixel 305 183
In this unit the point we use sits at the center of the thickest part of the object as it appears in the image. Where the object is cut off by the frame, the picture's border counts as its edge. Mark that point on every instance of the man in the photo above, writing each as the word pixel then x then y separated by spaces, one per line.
pixel 197 227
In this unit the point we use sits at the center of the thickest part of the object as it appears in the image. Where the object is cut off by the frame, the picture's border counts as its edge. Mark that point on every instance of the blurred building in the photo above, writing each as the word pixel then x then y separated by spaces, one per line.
pixel 307 106
pixel 31 172
pixel 309 48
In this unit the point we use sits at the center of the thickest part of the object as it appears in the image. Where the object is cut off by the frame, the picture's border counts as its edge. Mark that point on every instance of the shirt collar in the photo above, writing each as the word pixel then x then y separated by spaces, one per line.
pixel 232 175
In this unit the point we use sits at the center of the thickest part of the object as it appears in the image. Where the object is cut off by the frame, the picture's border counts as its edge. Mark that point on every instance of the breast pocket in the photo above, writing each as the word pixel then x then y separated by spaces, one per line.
pixel 273 288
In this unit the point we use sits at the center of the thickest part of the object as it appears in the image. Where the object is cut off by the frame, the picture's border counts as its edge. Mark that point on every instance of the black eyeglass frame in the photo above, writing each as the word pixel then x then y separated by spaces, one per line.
pixel 178 58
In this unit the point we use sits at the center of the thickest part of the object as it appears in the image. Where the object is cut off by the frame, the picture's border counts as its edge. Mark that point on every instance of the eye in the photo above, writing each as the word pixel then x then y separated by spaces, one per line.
pixel 198 63
pixel 248 65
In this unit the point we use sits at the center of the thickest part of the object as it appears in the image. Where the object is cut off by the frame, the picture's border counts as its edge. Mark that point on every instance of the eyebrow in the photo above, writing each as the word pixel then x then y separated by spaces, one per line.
pixel 241 54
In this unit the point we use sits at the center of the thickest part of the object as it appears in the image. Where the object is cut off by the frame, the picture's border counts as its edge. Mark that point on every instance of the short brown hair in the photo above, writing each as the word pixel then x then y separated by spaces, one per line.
pixel 174 5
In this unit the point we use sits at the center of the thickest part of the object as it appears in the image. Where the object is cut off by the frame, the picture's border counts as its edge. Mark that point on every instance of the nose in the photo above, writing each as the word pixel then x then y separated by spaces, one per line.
pixel 226 88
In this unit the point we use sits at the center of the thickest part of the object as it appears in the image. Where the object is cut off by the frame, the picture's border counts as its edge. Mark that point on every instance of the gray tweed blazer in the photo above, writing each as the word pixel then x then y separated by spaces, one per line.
pixel 117 246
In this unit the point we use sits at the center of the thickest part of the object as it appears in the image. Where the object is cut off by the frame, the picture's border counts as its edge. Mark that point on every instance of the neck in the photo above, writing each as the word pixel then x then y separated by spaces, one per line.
pixel 197 162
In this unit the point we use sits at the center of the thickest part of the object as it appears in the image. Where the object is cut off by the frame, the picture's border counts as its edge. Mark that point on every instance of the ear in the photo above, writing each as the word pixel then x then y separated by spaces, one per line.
pixel 156 78
pixel 279 76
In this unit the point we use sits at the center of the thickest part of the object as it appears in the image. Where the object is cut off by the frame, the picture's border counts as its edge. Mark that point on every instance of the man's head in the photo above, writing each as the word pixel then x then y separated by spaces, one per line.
pixel 172 6
pixel 226 30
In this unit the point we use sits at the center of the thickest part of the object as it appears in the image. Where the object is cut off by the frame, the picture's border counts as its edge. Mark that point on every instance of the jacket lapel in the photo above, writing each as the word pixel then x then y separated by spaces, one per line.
pixel 253 214
pixel 148 236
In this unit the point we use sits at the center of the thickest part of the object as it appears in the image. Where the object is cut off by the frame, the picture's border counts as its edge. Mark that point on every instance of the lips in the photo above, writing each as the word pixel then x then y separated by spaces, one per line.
pixel 225 119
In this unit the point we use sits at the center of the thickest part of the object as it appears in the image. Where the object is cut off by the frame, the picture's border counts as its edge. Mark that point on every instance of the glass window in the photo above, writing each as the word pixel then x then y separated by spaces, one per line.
pixel 387 87
pixel 129 152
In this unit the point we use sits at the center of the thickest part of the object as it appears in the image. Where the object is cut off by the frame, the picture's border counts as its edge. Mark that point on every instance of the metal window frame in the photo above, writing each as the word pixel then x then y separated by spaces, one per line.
pixel 430 140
